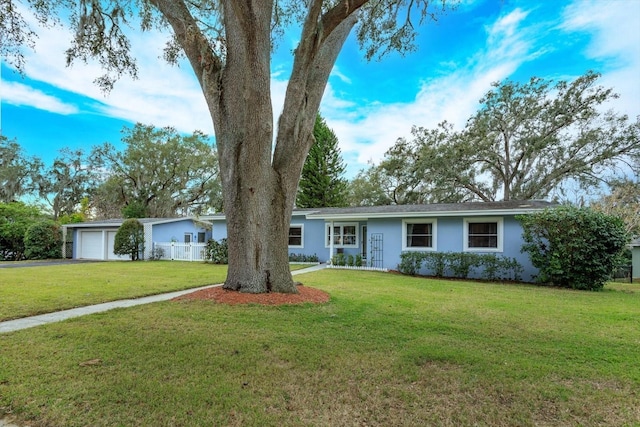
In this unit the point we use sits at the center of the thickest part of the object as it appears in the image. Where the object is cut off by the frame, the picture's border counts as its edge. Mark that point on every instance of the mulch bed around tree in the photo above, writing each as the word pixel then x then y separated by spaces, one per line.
pixel 223 296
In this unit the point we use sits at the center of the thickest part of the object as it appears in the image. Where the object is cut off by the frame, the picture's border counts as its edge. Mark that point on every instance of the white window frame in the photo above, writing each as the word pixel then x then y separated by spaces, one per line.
pixel 301 226
pixel 190 235
pixel 500 234
pixel 342 225
pixel 434 234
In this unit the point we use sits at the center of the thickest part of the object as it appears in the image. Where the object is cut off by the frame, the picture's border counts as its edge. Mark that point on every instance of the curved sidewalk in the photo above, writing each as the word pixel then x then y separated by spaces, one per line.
pixel 58 316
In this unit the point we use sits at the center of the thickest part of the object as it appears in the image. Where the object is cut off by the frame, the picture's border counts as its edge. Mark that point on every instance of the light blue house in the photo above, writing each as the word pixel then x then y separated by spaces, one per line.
pixel 95 239
pixel 380 234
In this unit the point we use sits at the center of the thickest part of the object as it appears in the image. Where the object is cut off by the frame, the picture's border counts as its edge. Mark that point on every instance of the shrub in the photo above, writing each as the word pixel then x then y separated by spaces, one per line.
pixel 460 265
pixel 303 258
pixel 573 247
pixel 15 219
pixel 129 239
pixel 157 254
pixel 43 240
pixel 339 259
pixel 358 260
pixel 217 252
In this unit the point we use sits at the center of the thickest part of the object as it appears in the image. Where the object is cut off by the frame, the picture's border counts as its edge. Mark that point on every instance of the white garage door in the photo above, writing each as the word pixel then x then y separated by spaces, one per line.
pixel 111 238
pixel 91 245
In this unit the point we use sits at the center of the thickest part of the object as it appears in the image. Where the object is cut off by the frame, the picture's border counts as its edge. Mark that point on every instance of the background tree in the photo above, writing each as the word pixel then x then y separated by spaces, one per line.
pixel 15 219
pixel 43 240
pixel 17 171
pixel 66 182
pixel 322 183
pixel 108 200
pixel 623 202
pixel 370 187
pixel 401 177
pixel 228 45
pixel 573 247
pixel 129 239
pixel 525 142
pixel 160 173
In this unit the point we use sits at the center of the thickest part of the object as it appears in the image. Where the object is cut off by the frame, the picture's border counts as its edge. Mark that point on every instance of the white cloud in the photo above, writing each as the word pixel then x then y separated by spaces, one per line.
pixel 19 94
pixel 163 95
pixel 367 132
pixel 614 28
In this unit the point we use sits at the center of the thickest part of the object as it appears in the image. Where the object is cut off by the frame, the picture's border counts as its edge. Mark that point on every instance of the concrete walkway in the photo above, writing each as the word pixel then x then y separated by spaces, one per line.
pixel 58 316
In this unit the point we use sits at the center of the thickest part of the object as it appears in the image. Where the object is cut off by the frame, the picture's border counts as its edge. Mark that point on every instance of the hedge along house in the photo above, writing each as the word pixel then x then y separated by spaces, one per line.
pixel 180 238
pixel 378 235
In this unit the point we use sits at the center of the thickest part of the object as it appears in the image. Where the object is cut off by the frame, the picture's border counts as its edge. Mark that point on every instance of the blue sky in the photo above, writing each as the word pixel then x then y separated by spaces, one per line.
pixel 368 104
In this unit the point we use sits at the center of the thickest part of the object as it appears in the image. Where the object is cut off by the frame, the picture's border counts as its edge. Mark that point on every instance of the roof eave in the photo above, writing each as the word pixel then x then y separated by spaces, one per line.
pixel 382 215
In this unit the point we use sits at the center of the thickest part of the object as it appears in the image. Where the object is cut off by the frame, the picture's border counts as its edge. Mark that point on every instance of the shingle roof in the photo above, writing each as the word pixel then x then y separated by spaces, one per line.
pixel 440 209
pixel 511 207
pixel 117 222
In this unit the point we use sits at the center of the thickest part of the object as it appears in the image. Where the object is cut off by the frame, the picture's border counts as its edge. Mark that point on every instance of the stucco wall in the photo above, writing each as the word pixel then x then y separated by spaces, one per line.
pixel 635 262
pixel 175 231
pixel 450 238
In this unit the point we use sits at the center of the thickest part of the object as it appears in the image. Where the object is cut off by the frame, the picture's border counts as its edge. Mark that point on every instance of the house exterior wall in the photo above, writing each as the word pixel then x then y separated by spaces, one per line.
pixel 175 231
pixel 312 238
pixel 219 229
pixel 450 238
pixel 635 262
pixel 162 232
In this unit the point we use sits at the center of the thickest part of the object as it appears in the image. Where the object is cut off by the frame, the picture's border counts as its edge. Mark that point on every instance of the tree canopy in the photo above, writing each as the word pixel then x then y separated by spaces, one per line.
pixel 66 182
pixel 525 142
pixel 159 174
pixel 622 201
pixel 18 172
pixel 228 45
pixel 322 183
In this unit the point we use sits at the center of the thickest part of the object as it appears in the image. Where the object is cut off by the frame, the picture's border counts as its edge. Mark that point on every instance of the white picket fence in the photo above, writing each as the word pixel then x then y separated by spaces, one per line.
pixel 181 251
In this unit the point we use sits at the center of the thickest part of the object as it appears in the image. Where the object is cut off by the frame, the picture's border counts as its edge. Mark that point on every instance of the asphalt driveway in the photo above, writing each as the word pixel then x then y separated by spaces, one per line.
pixel 44 263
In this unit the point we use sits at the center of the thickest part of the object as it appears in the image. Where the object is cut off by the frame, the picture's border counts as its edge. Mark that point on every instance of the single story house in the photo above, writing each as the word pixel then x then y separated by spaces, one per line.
pixel 95 239
pixel 379 234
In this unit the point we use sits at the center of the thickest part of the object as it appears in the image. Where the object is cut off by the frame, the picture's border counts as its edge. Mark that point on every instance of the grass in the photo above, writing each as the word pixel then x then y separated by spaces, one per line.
pixel 386 350
pixel 43 289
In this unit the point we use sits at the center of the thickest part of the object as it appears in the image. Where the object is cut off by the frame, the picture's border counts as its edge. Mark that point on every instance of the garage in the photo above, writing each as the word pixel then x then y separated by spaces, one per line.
pixel 91 245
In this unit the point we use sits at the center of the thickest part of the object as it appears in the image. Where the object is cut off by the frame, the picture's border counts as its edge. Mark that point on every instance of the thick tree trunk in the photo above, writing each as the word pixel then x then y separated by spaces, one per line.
pixel 255 204
pixel 259 185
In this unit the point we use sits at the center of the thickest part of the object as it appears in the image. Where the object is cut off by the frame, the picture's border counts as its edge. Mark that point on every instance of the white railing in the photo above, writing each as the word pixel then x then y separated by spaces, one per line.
pixel 180 251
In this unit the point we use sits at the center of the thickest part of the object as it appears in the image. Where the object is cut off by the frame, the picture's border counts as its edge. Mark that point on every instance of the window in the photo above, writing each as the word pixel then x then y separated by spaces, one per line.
pixel 345 235
pixel 295 236
pixel 483 234
pixel 201 237
pixel 419 234
pixel 187 237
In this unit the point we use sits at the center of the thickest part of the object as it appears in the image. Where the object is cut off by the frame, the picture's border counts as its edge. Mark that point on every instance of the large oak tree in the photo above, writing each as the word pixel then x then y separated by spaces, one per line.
pixel 228 44
pixel 525 141
pixel 160 173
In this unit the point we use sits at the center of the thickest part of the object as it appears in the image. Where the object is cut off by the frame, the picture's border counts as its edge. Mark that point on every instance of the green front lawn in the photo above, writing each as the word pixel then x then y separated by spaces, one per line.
pixel 386 350
pixel 27 291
